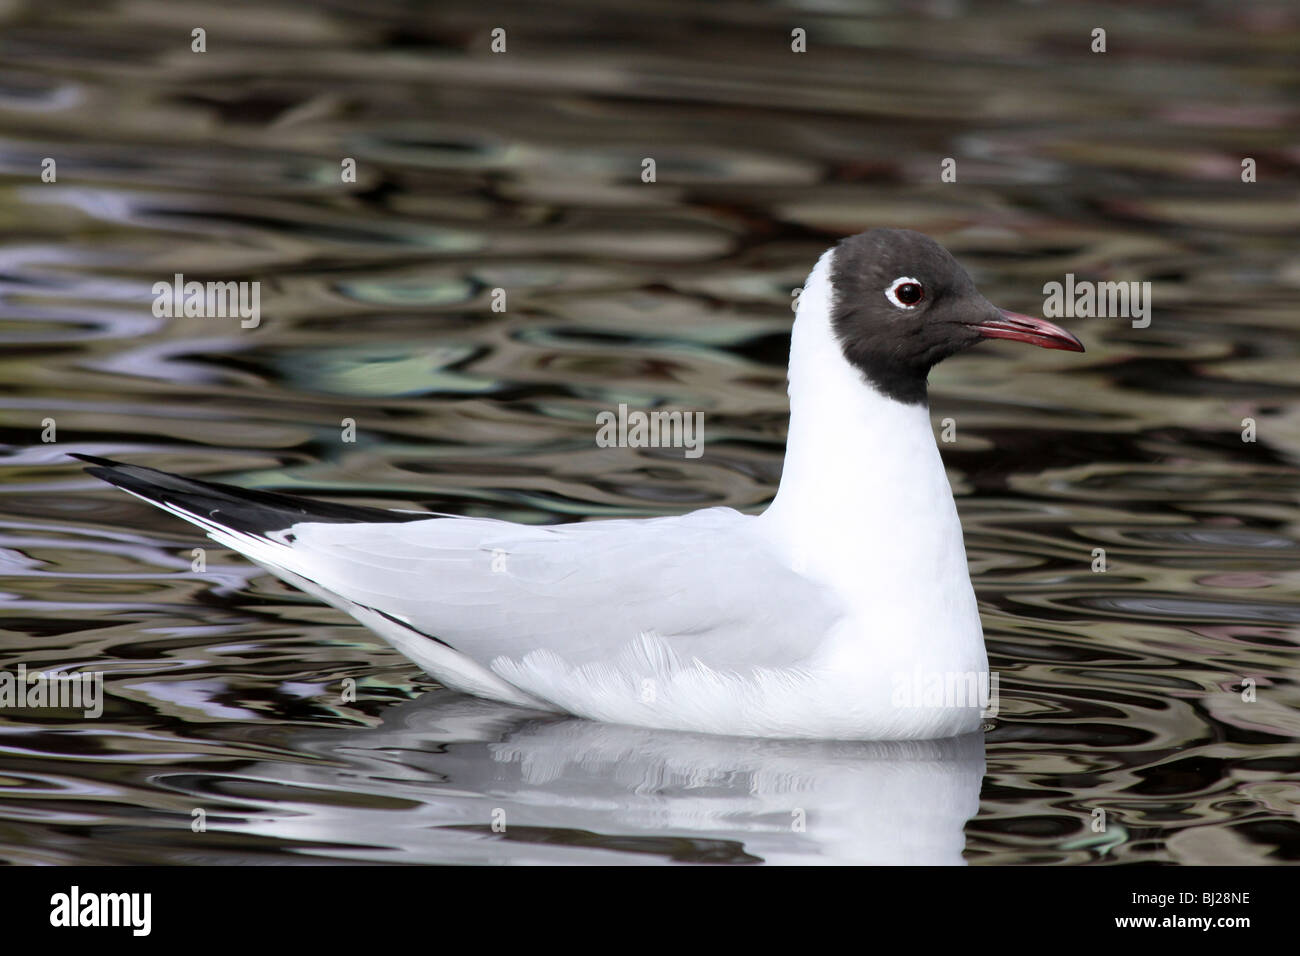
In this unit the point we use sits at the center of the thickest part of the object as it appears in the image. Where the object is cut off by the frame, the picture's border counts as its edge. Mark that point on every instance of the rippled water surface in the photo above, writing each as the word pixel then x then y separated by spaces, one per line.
pixel 1121 691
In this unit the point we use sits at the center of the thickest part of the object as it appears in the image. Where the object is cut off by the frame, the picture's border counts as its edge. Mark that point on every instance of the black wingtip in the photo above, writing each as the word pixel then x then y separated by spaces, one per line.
pixel 242 509
pixel 95 460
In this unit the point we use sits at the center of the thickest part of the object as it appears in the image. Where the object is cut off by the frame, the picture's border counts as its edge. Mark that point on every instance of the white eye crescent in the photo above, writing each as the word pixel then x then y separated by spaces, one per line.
pixel 905 292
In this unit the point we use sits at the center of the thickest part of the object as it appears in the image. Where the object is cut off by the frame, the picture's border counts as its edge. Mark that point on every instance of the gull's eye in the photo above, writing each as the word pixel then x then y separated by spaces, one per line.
pixel 905 292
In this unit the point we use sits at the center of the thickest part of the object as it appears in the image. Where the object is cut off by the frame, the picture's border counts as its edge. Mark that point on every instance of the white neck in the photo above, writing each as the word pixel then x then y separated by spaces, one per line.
pixel 864 503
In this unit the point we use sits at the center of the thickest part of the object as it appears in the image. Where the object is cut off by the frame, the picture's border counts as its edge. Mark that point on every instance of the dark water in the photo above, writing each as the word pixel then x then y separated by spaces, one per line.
pixel 1121 691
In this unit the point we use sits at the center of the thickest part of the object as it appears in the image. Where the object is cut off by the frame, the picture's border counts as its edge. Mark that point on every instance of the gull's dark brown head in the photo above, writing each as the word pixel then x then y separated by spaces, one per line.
pixel 901 304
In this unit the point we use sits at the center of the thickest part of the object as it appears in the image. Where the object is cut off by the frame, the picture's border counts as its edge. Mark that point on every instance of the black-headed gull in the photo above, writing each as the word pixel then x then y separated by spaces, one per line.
pixel 833 614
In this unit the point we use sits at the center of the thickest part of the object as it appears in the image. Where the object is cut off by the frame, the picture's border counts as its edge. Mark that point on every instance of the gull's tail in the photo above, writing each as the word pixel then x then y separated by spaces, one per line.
pixel 264 525
pixel 245 511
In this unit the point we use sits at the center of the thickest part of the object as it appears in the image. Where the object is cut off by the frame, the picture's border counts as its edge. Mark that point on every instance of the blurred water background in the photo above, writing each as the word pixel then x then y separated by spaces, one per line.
pixel 1121 691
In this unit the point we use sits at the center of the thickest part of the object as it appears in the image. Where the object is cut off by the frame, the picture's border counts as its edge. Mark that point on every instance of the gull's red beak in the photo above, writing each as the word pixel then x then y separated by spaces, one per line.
pixel 1025 328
